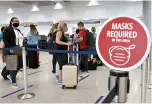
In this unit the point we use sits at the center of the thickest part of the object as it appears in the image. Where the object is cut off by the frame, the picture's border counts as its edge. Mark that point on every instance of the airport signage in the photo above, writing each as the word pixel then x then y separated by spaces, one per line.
pixel 124 43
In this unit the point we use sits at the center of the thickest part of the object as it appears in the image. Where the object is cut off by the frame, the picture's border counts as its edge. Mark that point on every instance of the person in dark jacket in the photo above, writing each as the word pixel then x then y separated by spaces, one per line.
pixel 13 37
pixel 51 38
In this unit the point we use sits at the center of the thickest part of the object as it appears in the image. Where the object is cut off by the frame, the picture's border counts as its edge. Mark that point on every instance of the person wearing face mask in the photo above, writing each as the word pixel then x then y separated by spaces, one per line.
pixel 13 37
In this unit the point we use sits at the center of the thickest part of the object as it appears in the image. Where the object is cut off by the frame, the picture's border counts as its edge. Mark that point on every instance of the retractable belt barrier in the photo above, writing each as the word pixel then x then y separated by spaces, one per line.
pixel 27 95
pixel 53 51
pixel 111 95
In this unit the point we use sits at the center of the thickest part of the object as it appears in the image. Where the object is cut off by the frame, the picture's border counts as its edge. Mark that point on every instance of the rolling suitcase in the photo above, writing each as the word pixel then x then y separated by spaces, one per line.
pixel 69 75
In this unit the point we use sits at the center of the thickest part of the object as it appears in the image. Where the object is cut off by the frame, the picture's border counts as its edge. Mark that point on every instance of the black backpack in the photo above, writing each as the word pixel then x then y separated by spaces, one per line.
pixel 89 38
pixel 51 42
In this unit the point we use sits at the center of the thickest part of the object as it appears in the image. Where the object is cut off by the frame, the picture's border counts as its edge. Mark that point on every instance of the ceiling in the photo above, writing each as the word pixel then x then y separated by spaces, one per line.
pixel 24 3
pixel 39 3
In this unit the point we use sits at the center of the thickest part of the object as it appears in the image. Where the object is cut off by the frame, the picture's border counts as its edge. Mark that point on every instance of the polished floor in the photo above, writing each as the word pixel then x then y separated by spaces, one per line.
pixel 89 90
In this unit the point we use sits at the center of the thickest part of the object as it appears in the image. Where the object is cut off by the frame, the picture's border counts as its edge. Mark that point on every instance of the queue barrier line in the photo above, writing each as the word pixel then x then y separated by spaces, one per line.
pixel 53 51
pixel 110 96
pixel 15 92
pixel 35 72
pixel 83 78
pixel 27 95
pixel 99 99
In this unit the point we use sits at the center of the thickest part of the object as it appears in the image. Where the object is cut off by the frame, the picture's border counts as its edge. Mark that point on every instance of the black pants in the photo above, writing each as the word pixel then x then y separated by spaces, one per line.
pixel 33 58
pixel 62 60
pixel 84 60
pixel 54 61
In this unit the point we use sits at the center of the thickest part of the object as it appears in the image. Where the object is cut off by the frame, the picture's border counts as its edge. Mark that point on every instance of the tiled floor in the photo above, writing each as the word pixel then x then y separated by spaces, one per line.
pixel 88 90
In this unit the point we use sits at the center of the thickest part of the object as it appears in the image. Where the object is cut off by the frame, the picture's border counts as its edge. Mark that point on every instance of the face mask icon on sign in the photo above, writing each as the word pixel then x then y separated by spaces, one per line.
pixel 120 55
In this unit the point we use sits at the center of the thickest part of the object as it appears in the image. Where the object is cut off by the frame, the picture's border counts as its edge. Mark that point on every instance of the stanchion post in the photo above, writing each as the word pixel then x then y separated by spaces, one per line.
pixel 149 81
pixel 25 95
pixel 77 55
pixel 143 82
pixel 149 71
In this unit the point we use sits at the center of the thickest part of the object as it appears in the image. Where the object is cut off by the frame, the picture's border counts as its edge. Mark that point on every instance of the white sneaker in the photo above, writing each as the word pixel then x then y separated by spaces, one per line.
pixel 9 77
pixel 14 85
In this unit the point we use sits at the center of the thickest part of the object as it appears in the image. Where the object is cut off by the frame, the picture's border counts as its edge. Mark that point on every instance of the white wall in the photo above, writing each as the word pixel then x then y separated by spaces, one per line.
pixel 73 11
pixel 147 12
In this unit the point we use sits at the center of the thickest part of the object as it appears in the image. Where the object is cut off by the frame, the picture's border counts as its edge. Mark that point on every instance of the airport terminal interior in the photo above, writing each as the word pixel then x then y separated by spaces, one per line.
pixel 93 85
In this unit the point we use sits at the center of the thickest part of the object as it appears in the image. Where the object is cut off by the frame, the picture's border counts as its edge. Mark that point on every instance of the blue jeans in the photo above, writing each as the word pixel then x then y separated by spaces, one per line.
pixel 19 66
pixel 84 60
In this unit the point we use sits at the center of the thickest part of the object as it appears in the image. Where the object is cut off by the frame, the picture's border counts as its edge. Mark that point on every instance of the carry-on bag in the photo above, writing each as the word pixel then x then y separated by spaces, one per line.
pixel 11 62
pixel 69 75
pixel 92 65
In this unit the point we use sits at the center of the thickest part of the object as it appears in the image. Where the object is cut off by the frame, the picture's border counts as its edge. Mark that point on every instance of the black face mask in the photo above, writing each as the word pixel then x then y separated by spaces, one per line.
pixel 16 24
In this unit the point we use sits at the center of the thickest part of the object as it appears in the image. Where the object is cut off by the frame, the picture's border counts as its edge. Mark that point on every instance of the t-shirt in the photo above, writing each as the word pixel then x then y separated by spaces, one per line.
pixel 83 34
pixel 19 38
pixel 1 36
pixel 95 35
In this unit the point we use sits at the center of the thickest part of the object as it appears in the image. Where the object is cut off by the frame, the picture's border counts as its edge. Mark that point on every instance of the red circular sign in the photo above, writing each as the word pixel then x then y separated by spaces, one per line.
pixel 124 43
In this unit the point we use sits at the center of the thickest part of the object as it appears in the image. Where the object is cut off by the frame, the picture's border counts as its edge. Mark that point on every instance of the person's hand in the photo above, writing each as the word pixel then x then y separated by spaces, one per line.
pixel 69 43
pixel 11 51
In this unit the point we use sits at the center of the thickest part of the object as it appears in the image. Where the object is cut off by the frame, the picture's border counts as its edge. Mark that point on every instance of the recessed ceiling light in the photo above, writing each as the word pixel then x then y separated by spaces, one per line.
pixel 93 3
pixel 35 8
pixel 58 6
pixel 10 11
pixel 132 0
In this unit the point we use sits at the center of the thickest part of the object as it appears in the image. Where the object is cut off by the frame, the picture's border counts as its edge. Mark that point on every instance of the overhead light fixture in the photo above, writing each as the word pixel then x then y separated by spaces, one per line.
pixel 93 3
pixel 58 6
pixel 132 0
pixel 10 11
pixel 35 8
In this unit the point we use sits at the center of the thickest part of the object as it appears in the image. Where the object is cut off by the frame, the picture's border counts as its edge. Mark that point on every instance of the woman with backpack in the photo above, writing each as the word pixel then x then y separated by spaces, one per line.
pixel 51 38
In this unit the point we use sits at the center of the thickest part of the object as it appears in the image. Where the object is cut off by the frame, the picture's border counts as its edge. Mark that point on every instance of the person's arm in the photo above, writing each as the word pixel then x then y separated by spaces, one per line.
pixel 81 35
pixel 58 37
pixel 5 37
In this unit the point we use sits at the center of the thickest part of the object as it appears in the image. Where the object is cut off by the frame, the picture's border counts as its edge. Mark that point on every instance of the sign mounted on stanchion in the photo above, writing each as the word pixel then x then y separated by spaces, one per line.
pixel 124 43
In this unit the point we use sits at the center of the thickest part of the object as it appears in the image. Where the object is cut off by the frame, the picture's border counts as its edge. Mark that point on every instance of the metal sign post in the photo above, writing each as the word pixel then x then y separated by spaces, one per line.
pixel 143 81
pixel 149 72
pixel 25 95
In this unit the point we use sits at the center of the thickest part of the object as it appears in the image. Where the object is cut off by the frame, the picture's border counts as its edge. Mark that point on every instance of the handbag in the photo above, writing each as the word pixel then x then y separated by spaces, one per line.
pixel 11 62
pixel 17 52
